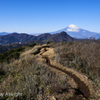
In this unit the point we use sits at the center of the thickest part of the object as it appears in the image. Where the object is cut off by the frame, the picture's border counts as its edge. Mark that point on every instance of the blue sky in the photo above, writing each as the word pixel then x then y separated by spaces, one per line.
pixel 40 16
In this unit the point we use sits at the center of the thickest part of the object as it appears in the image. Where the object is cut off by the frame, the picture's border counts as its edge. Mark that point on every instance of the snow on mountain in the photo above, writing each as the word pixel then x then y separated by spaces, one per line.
pixel 73 28
pixel 76 32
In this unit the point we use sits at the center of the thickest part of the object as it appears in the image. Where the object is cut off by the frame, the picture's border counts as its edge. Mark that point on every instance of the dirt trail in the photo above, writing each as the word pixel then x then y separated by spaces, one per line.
pixel 82 88
pixel 82 91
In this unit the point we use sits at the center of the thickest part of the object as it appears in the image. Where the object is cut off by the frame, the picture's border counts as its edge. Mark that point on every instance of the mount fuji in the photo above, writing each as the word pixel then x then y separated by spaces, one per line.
pixel 76 32
pixel 72 30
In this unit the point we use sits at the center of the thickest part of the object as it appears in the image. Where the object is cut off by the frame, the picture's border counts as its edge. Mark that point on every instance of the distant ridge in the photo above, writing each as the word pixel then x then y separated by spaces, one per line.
pixel 77 32
pixel 43 38
pixel 72 30
pixel 61 37
pixel 4 33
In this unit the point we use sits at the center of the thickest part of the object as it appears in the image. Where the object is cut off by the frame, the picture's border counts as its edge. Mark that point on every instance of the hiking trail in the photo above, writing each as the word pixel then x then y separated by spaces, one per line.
pixel 82 92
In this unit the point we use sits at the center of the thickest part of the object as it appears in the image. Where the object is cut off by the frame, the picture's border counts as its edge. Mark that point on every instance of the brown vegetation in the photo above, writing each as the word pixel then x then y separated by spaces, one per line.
pixel 32 78
pixel 40 78
pixel 83 57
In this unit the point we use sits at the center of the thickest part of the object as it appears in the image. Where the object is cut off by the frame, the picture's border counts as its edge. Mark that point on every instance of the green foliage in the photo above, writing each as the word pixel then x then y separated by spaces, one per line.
pixel 46 46
pixel 49 42
pixel 14 55
pixel 11 54
pixel 63 43
pixel 70 43
pixel 19 49
pixel 8 52
pixel 32 45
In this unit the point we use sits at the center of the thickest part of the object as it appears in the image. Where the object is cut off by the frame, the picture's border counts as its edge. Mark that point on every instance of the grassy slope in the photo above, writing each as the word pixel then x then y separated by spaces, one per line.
pixel 30 77
pixel 83 57
pixel 34 79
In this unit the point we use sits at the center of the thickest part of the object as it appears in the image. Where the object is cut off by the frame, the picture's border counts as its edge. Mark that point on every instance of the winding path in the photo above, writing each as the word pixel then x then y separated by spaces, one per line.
pixel 82 90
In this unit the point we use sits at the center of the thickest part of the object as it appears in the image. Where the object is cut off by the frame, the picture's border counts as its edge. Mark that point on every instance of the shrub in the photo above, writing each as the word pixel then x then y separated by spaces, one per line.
pixel 14 55
pixel 19 49
pixel 8 52
pixel 83 56
pixel 49 42
pixel 31 79
pixel 11 54
pixel 32 45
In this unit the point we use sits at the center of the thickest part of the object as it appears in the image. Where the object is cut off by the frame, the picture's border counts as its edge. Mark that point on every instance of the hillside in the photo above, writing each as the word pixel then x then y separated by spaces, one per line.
pixel 50 72
pixel 43 38
pixel 61 37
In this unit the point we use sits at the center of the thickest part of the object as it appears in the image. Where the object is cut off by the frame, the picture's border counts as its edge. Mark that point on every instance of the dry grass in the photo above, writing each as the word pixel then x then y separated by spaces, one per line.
pixel 32 78
pixel 50 53
pixel 30 51
pixel 83 57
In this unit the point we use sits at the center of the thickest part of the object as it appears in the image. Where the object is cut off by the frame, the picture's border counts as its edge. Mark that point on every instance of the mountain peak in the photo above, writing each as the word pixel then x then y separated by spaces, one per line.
pixel 73 28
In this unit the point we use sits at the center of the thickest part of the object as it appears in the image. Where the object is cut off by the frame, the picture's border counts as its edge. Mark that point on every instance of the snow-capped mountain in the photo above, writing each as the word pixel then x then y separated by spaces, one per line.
pixel 76 32
pixel 72 30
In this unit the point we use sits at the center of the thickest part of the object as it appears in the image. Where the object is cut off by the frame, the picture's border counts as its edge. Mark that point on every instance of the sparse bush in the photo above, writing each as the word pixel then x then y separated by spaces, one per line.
pixel 31 78
pixel 37 51
pixel 32 45
pixel 11 54
pixel 19 49
pixel 49 42
pixel 63 43
pixel 83 56
pixel 8 52
pixel 69 43
pixel 46 46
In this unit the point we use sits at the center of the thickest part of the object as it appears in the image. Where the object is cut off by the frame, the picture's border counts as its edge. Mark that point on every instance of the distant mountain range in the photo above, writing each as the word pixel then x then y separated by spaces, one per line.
pixel 76 32
pixel 4 33
pixel 72 30
pixel 42 38
pixel 67 34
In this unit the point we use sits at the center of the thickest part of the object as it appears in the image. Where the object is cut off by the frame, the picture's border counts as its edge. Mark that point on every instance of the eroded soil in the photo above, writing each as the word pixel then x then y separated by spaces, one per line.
pixel 82 92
